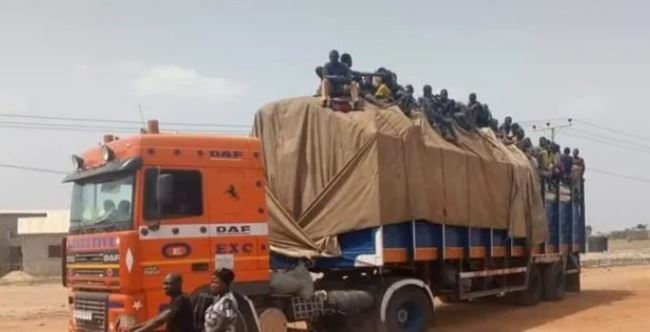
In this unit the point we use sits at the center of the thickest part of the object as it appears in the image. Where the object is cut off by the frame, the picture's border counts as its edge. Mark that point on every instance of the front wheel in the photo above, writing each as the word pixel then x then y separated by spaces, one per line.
pixel 409 309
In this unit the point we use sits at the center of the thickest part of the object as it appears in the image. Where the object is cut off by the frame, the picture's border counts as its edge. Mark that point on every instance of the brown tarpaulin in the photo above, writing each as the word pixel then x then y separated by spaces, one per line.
pixel 329 173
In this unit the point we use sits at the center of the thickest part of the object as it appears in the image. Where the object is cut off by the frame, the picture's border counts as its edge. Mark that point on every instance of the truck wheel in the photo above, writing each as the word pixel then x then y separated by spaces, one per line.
pixel 533 294
pixel 573 282
pixel 273 320
pixel 554 282
pixel 409 309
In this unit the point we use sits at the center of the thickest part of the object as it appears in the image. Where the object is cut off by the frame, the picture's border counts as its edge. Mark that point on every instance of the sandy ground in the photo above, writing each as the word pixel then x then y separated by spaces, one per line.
pixel 617 298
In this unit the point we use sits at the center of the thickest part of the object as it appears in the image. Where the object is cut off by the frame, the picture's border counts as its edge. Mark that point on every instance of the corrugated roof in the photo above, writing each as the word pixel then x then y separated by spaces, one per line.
pixel 55 222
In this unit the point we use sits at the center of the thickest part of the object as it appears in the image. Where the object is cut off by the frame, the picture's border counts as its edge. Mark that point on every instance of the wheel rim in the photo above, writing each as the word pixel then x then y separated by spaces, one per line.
pixel 409 317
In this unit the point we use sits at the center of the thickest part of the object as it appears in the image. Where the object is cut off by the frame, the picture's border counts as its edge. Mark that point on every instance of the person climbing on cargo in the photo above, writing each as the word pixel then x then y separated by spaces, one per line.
pixel 223 314
pixel 337 80
pixel 178 313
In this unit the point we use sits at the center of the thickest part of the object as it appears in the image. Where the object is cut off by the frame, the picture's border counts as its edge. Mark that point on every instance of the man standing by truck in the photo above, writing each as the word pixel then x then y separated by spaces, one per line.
pixel 177 315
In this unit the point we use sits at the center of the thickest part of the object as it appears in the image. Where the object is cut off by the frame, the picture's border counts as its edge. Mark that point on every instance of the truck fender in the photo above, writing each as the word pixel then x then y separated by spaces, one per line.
pixel 388 294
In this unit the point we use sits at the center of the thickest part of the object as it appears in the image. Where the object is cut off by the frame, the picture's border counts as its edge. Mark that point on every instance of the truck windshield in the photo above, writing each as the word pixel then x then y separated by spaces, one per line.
pixel 102 204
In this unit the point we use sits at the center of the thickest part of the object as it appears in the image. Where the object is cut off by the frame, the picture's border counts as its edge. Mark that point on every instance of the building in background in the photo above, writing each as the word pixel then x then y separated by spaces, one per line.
pixel 40 241
pixel 10 247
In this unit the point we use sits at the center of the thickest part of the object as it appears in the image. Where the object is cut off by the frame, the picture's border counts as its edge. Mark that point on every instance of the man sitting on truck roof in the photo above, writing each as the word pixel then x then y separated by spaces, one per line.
pixel 337 80
pixel 405 100
pixel 178 313
pixel 473 111
pixel 506 127
pixel 484 118
pixel 445 105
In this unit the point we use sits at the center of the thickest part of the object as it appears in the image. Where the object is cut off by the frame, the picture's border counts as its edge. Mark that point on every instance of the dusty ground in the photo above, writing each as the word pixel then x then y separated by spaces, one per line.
pixel 617 298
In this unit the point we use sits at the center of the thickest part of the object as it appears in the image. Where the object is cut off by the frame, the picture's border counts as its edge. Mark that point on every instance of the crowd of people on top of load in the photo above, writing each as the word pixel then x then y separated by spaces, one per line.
pixel 338 79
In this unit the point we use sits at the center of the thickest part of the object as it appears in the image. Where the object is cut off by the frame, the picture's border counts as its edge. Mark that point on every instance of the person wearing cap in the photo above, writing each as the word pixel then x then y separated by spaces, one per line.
pixel 222 315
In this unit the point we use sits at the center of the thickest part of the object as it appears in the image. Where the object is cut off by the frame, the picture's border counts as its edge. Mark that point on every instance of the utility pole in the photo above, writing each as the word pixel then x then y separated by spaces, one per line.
pixel 553 128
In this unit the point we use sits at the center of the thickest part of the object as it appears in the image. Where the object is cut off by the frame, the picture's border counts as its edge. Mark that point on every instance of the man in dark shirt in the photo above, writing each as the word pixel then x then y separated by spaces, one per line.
pixel 484 118
pixel 405 100
pixel 505 129
pixel 446 106
pixel 337 79
pixel 566 163
pixel 178 313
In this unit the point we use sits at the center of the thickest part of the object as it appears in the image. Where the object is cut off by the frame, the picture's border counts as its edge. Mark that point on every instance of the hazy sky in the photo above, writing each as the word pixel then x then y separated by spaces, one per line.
pixel 219 61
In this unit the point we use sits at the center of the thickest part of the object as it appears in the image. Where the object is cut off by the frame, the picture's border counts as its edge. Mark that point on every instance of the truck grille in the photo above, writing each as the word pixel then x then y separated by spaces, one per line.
pixel 90 311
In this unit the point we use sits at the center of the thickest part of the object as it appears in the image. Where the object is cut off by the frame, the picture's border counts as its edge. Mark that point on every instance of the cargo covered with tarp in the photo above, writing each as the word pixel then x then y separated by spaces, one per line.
pixel 331 172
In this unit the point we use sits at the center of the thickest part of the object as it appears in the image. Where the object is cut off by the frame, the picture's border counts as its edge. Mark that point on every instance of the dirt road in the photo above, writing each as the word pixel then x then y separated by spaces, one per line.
pixel 612 299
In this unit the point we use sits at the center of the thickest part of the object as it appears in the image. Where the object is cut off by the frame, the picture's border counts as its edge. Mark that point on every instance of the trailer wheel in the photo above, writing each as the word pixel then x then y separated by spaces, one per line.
pixel 573 282
pixel 409 309
pixel 533 294
pixel 554 281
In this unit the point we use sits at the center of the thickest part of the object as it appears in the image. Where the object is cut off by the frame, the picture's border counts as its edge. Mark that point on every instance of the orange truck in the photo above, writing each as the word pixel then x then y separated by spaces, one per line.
pixel 125 234
pixel 152 204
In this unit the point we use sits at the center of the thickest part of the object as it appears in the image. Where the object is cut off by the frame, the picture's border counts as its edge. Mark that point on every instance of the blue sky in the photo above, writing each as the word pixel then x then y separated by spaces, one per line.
pixel 219 61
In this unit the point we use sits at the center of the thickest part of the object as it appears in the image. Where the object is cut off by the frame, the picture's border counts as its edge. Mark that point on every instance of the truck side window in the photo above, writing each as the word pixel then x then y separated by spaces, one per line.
pixel 187 195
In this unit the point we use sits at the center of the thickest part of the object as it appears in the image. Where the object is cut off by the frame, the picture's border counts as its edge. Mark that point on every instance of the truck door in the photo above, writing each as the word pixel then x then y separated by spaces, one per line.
pixel 181 244
pixel 236 238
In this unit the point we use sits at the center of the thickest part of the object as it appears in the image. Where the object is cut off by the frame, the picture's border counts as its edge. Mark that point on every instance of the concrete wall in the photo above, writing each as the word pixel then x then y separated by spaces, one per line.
pixel 8 238
pixel 35 254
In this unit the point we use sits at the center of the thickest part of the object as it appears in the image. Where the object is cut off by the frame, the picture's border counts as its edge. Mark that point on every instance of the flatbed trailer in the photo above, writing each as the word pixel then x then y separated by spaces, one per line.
pixel 395 261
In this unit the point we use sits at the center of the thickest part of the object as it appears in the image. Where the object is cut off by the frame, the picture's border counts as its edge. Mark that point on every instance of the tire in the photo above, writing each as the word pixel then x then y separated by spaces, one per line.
pixel 573 282
pixel 409 309
pixel 533 294
pixel 554 281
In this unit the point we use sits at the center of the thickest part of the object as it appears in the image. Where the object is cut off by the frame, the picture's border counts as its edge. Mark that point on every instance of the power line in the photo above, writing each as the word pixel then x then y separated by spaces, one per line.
pixel 617 131
pixel 613 139
pixel 606 142
pixel 35 169
pixel 628 177
pixel 542 121
pixel 81 119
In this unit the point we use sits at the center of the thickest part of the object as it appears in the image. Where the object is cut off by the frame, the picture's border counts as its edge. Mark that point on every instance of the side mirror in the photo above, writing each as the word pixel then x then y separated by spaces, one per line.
pixel 164 190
